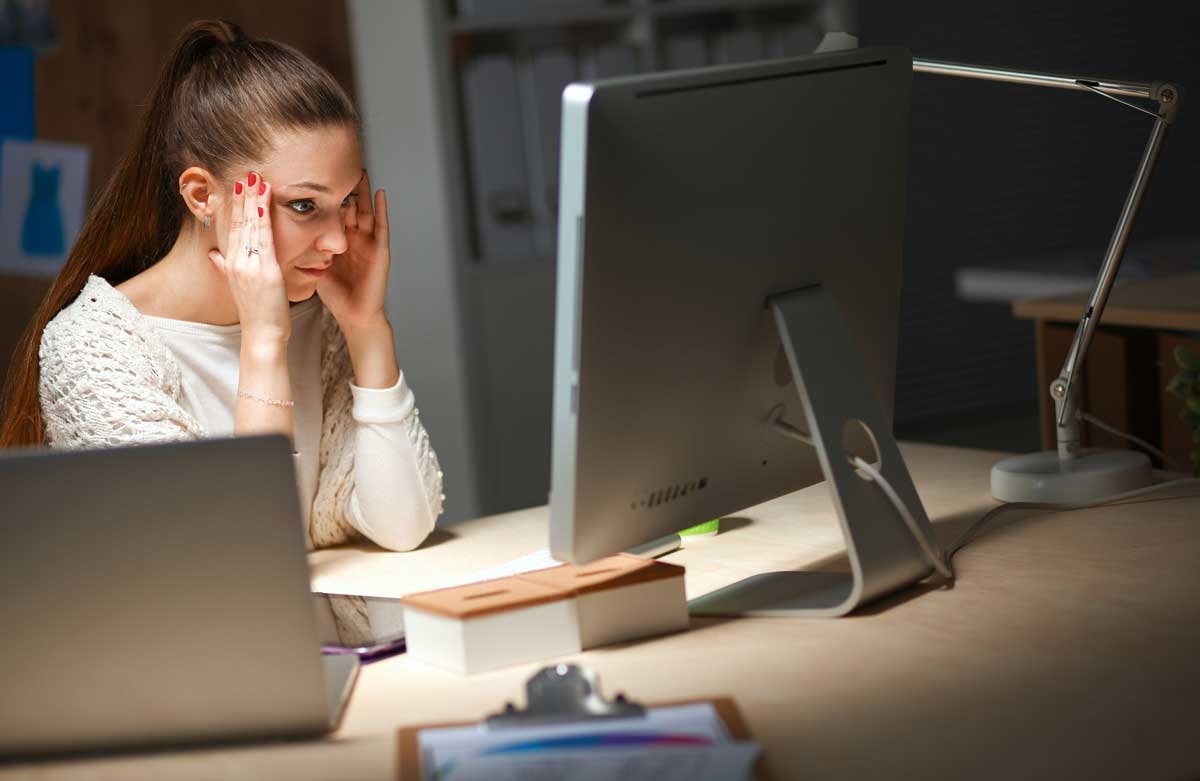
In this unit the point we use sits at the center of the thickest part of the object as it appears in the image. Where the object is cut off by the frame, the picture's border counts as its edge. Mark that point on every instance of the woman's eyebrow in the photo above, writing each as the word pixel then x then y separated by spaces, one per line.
pixel 310 186
pixel 322 188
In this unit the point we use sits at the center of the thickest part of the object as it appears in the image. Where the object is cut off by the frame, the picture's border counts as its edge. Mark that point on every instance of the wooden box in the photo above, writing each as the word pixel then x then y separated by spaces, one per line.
pixel 621 597
pixel 492 624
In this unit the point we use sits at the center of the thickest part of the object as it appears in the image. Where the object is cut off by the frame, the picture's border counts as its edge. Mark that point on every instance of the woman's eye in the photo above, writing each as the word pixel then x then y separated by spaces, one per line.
pixel 302 207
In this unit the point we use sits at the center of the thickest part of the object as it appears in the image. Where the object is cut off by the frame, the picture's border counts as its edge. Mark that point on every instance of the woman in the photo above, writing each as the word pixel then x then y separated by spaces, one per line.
pixel 230 280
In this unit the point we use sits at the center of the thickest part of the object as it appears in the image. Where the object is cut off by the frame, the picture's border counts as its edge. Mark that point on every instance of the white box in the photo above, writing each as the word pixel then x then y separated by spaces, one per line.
pixel 621 597
pixel 492 624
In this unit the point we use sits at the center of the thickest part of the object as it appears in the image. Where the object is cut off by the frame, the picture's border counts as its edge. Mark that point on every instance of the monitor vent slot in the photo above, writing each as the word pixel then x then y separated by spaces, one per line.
pixel 667 494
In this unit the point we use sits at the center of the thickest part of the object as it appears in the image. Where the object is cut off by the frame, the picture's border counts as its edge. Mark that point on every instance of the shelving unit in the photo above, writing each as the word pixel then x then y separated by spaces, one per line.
pixel 500 66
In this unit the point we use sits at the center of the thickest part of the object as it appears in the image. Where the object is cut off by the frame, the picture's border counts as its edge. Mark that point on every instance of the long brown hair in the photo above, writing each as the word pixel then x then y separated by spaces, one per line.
pixel 213 81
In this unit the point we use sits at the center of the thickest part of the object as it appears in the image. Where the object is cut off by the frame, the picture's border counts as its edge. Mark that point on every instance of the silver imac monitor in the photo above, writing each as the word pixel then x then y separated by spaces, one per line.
pixel 688 199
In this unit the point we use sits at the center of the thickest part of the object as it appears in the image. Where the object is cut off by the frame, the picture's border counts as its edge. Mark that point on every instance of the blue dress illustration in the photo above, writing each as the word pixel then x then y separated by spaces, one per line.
pixel 42 230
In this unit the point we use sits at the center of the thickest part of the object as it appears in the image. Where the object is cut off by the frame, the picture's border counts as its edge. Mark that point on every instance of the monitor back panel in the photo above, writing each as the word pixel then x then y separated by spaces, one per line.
pixel 155 595
pixel 687 199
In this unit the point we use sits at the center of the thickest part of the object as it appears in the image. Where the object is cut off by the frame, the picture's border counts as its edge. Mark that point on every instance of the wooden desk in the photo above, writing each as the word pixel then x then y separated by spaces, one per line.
pixel 1070 647
pixel 1164 303
pixel 1129 363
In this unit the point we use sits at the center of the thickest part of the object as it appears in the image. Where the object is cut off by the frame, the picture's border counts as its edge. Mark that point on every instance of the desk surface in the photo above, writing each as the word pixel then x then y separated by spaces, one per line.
pixel 1070 647
pixel 1170 303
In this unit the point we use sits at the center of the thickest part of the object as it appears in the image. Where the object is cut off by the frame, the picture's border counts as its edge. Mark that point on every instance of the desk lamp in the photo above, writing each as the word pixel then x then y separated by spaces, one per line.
pixel 1070 474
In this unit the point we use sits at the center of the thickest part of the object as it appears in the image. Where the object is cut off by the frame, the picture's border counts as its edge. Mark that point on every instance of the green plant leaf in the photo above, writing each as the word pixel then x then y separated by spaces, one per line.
pixel 1178 386
pixel 1186 358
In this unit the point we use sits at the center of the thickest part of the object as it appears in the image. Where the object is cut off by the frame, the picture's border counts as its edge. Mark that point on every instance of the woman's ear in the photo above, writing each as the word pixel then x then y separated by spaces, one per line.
pixel 201 194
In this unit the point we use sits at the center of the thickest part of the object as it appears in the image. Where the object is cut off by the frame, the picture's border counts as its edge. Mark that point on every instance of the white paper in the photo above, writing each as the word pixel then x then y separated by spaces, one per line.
pixel 450 748
pixel 43 194
pixel 729 762
pixel 531 562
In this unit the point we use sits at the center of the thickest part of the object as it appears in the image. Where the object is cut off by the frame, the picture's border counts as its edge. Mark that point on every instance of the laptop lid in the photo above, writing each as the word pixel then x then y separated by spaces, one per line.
pixel 155 594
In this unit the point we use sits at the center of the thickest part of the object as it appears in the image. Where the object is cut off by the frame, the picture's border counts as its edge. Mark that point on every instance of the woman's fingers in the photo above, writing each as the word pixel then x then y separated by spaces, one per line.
pixel 217 259
pixel 381 219
pixel 236 223
pixel 266 240
pixel 352 216
pixel 250 209
pixel 365 214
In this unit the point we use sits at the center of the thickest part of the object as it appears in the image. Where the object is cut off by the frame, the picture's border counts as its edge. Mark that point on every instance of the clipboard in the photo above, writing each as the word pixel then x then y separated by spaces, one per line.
pixel 562 694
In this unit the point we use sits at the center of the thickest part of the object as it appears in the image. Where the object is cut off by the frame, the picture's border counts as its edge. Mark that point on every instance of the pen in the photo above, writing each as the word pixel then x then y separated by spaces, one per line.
pixel 657 547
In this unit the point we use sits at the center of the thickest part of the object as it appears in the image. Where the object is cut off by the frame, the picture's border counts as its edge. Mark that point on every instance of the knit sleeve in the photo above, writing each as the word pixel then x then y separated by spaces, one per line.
pixel 102 384
pixel 379 475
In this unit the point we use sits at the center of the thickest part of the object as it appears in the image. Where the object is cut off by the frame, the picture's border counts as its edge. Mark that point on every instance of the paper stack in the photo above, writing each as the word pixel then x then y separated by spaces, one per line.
pixel 551 612
pixel 676 743
pixel 484 626
pixel 621 598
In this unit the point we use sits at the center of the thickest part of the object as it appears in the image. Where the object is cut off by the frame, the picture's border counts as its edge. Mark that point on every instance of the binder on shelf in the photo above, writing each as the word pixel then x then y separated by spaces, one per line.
pixel 685 50
pixel 553 69
pixel 797 40
pixel 499 177
pixel 614 59
pixel 568 695
pixel 744 44
pixel 519 10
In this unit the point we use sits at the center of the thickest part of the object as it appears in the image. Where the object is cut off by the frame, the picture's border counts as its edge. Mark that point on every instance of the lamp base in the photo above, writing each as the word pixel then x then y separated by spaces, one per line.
pixel 1095 474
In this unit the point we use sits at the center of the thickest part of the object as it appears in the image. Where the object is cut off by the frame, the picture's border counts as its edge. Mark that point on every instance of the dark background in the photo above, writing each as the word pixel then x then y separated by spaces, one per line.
pixel 1002 172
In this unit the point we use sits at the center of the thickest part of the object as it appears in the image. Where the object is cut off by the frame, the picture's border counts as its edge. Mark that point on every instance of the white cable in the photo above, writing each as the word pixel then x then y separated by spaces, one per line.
pixel 939 560
pixel 966 536
pixel 942 561
pixel 1100 424
pixel 936 558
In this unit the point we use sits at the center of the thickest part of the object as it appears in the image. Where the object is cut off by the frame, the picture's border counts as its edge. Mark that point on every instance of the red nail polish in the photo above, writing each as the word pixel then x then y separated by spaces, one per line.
pixel 251 179
pixel 259 211
pixel 262 187
pixel 237 188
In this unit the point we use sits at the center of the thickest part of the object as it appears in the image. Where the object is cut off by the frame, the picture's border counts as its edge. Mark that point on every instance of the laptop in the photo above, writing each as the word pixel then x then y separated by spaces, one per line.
pixel 158 595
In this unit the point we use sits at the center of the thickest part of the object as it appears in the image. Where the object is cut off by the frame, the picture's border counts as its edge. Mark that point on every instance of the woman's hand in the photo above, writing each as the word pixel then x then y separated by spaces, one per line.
pixel 250 267
pixel 355 287
pixel 264 400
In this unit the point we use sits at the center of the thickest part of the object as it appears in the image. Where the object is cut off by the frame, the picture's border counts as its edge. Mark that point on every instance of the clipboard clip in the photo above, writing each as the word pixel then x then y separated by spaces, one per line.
pixel 563 693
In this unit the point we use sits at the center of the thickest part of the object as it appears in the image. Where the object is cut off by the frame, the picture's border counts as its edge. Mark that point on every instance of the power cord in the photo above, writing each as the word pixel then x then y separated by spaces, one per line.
pixel 938 559
pixel 929 548
pixel 1163 457
pixel 942 560
pixel 1114 499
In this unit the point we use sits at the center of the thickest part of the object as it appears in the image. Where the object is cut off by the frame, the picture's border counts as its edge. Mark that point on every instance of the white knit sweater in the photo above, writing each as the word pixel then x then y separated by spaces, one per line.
pixel 107 379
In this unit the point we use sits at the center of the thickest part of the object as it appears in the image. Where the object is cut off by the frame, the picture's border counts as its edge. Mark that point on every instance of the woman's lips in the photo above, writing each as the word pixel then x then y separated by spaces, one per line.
pixel 315 271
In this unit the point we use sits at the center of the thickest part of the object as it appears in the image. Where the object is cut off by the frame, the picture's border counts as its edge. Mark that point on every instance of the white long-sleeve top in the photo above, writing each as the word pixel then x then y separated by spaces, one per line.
pixel 112 376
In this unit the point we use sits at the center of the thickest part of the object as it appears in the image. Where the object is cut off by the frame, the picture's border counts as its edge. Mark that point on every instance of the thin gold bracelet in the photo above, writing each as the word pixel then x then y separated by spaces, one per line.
pixel 264 400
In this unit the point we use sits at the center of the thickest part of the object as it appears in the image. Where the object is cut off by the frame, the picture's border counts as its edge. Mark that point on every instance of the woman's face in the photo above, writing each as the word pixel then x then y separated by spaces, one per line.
pixel 314 176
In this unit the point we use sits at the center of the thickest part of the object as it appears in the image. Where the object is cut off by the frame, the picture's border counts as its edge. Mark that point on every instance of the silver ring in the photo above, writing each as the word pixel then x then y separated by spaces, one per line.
pixel 251 250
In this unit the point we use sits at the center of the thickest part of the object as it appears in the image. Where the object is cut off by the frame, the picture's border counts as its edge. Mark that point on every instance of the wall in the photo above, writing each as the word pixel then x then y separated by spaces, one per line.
pixel 406 152
pixel 1001 172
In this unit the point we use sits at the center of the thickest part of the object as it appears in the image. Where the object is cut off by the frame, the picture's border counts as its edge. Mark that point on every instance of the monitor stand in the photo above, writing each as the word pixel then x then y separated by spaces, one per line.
pixel 837 398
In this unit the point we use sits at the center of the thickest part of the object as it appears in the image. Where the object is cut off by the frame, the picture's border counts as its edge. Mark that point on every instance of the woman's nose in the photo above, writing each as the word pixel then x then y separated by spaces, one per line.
pixel 332 240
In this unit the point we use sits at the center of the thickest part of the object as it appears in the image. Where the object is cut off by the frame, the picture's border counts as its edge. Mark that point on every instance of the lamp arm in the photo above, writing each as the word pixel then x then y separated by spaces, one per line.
pixel 1064 389
pixel 1131 89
